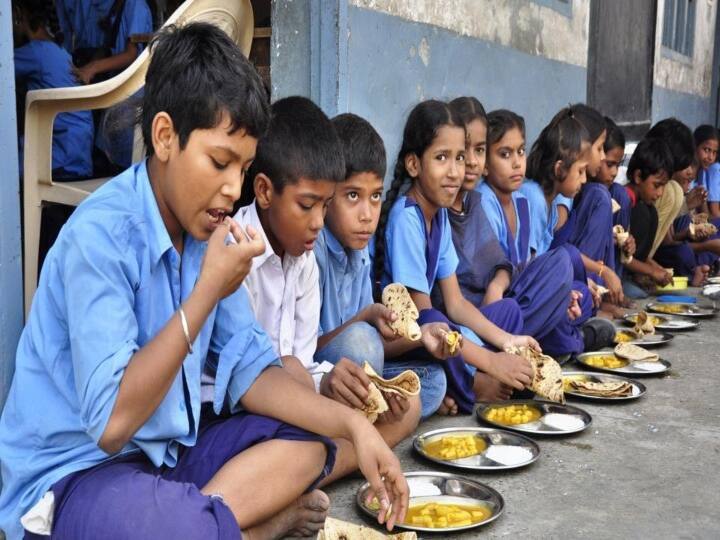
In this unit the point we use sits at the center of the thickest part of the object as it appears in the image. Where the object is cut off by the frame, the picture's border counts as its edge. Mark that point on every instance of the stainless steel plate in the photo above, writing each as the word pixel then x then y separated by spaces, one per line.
pixel 555 419
pixel 637 369
pixel 666 322
pixel 503 449
pixel 426 487
pixel 713 280
pixel 648 340
pixel 638 388
pixel 688 310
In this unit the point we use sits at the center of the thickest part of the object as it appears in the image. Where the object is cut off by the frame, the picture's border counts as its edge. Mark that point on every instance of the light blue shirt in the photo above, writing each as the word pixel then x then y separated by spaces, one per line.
pixel 407 250
pixel 542 221
pixel 496 216
pixel 108 286
pixel 710 179
pixel 345 283
pixel 79 21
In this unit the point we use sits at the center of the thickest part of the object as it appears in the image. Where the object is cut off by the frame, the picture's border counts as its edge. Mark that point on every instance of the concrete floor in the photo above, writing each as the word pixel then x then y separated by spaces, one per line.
pixel 649 468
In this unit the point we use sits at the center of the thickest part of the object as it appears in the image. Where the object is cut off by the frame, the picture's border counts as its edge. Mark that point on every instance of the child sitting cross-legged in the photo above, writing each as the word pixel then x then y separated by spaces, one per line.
pixel 104 434
pixel 296 172
pixel 354 329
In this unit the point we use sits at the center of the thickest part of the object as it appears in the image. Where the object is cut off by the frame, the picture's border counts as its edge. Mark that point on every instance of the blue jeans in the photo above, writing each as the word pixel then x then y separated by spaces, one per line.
pixel 633 290
pixel 361 342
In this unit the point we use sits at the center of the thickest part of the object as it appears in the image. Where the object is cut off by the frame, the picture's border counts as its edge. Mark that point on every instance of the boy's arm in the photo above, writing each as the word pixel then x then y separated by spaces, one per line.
pixel 152 369
pixel 276 394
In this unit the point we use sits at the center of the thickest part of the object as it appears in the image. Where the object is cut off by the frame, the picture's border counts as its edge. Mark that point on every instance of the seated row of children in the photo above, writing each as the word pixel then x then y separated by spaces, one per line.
pixel 148 387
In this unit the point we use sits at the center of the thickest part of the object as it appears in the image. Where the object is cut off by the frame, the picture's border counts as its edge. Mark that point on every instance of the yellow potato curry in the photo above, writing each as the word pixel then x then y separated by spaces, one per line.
pixel 568 379
pixel 511 415
pixel 606 361
pixel 624 337
pixel 455 447
pixel 440 515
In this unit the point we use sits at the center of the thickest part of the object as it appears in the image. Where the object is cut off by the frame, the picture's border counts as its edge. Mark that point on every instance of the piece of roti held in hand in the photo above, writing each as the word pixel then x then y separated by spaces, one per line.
pixel 405 384
pixel 397 298
pixel 635 353
pixel 547 378
pixel 453 342
pixel 643 325
pixel 375 405
pixel 342 530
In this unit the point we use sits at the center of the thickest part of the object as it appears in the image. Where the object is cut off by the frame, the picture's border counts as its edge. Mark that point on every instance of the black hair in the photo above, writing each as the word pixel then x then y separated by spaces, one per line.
pixel 467 109
pixel 679 140
pixel 300 142
pixel 564 139
pixel 362 146
pixel 41 13
pixel 705 132
pixel 501 121
pixel 651 156
pixel 591 119
pixel 421 128
pixel 196 75
pixel 615 137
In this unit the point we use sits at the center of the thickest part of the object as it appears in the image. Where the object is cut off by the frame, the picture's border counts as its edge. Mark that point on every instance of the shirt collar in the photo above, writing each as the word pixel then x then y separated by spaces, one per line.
pixel 160 241
pixel 345 257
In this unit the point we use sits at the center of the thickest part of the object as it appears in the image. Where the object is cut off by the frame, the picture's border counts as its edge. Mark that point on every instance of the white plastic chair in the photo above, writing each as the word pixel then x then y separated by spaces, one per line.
pixel 235 17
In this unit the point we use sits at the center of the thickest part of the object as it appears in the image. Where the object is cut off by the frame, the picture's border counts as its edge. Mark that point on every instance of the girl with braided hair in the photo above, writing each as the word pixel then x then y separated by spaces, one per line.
pixel 41 63
pixel 414 247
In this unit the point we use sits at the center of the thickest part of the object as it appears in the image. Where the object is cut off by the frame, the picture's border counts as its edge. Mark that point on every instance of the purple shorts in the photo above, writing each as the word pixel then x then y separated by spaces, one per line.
pixel 128 497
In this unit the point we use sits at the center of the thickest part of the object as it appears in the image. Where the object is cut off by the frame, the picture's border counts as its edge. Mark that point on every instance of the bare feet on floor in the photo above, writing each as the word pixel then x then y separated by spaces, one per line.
pixel 448 407
pixel 304 517
pixel 488 388
pixel 700 275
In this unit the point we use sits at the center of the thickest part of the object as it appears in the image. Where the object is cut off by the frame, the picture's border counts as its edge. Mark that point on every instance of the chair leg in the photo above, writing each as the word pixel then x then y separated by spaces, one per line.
pixel 31 234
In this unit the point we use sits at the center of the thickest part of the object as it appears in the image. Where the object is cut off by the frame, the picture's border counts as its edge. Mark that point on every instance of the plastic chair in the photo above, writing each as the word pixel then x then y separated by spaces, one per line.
pixel 234 17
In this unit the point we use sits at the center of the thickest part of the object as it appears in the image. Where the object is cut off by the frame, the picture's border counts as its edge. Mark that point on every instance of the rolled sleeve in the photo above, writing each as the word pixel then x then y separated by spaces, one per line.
pixel 406 242
pixel 244 350
pixel 99 282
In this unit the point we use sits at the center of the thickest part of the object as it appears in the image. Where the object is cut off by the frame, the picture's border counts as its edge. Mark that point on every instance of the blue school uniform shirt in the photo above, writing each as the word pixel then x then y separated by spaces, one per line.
pixel 415 256
pixel 710 179
pixel 542 221
pixel 345 282
pixel 516 248
pixel 44 64
pixel 79 20
pixel 109 284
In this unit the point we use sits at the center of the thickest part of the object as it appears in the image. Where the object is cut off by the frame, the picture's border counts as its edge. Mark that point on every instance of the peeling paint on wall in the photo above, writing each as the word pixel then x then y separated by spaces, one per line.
pixel 691 75
pixel 521 24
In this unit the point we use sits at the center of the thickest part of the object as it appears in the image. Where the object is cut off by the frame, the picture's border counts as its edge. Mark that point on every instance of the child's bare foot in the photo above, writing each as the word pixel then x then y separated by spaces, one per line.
pixel 700 275
pixel 448 407
pixel 487 388
pixel 304 517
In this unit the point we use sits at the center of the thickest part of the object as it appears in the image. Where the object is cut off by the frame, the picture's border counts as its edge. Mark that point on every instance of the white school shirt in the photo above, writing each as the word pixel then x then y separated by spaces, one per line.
pixel 285 296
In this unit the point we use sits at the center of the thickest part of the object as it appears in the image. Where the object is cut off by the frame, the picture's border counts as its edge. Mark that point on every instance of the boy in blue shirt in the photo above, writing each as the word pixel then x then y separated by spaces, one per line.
pixel 353 328
pixel 103 434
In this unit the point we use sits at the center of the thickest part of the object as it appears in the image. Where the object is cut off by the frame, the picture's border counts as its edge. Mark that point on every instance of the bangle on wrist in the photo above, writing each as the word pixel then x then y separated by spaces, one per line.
pixel 185 329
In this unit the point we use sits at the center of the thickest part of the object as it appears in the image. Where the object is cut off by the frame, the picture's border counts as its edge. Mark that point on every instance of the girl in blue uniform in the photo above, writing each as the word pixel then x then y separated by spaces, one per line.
pixel 414 247
pixel 487 270
pixel 41 63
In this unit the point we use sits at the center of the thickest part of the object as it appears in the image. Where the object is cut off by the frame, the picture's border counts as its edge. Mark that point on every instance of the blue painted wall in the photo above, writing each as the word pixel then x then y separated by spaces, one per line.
pixel 691 109
pixel 11 304
pixel 387 75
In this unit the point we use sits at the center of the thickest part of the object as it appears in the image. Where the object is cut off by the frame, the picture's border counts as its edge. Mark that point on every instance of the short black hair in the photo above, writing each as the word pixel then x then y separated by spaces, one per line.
pixel 590 118
pixel 196 75
pixel 615 137
pixel 651 156
pixel 679 140
pixel 501 121
pixel 300 142
pixel 363 147
pixel 705 132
